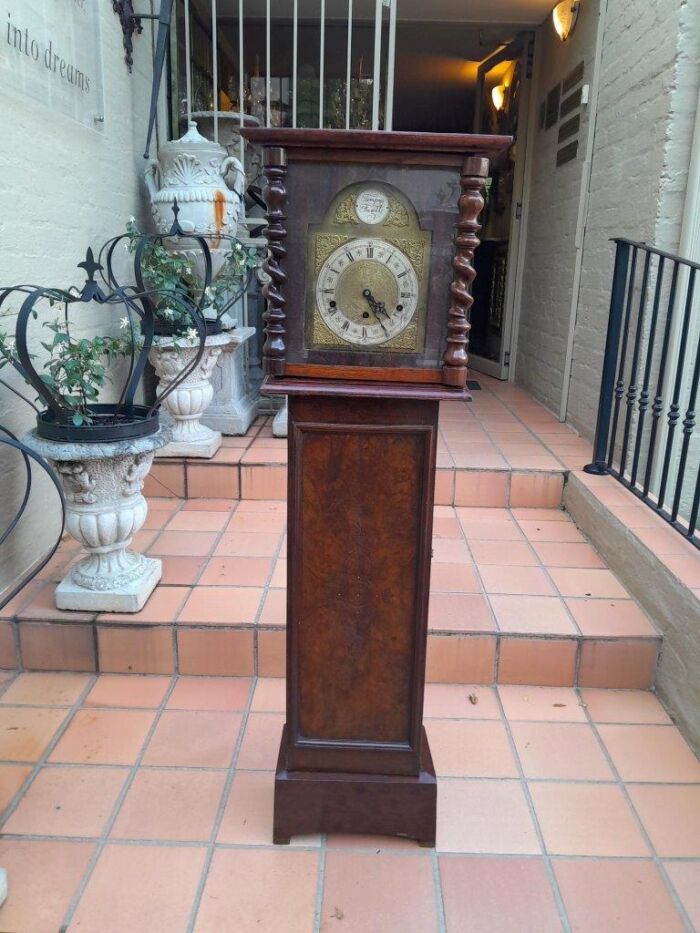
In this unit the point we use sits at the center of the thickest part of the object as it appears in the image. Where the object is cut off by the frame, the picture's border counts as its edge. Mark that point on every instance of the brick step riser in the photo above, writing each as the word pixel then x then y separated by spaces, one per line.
pixel 243 651
pixel 187 479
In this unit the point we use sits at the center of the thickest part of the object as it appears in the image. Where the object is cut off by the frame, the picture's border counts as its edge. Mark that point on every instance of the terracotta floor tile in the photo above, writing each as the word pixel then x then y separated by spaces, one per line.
pixel 540 515
pixel 526 581
pixel 446 527
pixel 162 607
pixel 247 818
pixel 101 737
pixel 497 895
pixel 43 875
pixel 212 505
pixel 631 706
pixel 450 550
pixel 149 888
pixel 268 506
pixel 565 532
pixel 183 543
pixel 134 690
pixel 279 574
pixel 236 571
pixel 601 584
pixel 11 779
pixel 490 530
pixel 170 805
pixel 384 892
pixel 25 733
pixel 225 694
pixel 68 802
pixel 247 544
pixel 650 753
pixel 270 695
pixel 604 617
pixel 470 749
pixel 502 553
pixel 446 577
pixel 532 615
pixel 671 817
pixel 460 701
pixel 261 742
pixel 255 890
pixel 586 819
pixel 260 522
pixel 685 877
pixel 562 750
pixel 561 554
pixel 542 704
pixel 198 521
pixel 459 612
pixel 43 606
pixel 548 661
pixel 181 571
pixel 224 605
pixel 198 739
pixel 46 689
pixel 461 659
pixel 485 817
pixel 274 609
pixel 603 896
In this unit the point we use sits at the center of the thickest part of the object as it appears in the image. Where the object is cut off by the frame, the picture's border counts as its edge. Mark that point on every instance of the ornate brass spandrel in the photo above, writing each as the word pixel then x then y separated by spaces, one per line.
pixel 345 211
pixel 414 248
pixel 398 215
pixel 324 244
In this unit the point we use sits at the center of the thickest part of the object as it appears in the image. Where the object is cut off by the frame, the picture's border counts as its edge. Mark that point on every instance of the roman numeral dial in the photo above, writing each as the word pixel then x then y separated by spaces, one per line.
pixel 367 292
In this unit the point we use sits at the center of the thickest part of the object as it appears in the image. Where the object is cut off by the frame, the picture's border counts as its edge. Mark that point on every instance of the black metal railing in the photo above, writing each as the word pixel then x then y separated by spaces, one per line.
pixel 645 433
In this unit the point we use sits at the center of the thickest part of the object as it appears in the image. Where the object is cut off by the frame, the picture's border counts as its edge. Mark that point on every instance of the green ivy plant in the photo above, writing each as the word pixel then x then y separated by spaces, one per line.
pixel 178 285
pixel 76 369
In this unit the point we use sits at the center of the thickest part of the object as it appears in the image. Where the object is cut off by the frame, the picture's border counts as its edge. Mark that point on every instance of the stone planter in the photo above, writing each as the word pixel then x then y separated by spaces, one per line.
pixel 191 398
pixel 102 484
pixel 234 406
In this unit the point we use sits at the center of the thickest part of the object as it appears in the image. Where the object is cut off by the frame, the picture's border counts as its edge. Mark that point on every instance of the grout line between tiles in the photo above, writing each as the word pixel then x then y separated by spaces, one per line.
pixel 320 884
pixel 522 780
pixel 223 800
pixel 437 891
pixel 640 825
pixel 107 828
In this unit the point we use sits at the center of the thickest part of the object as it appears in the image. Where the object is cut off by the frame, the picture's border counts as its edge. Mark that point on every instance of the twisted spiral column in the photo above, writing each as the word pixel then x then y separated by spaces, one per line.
pixel 275 194
pixel 472 180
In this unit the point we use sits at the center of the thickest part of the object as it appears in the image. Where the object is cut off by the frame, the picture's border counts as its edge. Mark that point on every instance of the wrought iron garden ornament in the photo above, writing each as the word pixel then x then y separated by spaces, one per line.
pixel 88 420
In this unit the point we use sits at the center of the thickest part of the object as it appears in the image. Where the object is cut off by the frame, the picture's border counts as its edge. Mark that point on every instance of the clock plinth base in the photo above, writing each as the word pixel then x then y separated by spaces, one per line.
pixel 343 802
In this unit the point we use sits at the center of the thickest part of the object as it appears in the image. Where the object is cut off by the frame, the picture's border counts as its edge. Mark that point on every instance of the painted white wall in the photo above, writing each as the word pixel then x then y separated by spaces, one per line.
pixel 650 74
pixel 63 187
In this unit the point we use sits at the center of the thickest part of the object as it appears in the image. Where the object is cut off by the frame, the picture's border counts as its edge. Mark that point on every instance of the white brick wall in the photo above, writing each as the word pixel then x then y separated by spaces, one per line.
pixel 63 187
pixel 650 72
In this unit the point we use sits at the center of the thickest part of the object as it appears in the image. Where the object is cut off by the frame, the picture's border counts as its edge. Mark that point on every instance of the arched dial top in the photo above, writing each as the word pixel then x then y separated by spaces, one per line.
pixel 367 291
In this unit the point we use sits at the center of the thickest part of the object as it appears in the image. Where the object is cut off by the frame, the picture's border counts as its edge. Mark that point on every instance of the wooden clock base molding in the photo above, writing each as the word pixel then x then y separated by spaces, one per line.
pixel 343 802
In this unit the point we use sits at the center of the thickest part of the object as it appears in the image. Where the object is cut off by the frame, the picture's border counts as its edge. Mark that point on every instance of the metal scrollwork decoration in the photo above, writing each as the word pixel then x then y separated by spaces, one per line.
pixel 94 421
pixel 130 23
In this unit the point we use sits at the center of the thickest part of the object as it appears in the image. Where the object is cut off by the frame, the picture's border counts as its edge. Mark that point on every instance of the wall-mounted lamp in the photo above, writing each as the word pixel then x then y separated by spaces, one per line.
pixel 564 16
pixel 498 96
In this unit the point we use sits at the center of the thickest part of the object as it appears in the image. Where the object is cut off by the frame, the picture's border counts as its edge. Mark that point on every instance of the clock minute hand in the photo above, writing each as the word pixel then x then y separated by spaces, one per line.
pixel 374 306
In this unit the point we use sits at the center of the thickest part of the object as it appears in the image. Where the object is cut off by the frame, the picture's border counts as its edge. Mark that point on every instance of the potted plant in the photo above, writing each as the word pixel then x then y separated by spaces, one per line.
pixel 179 268
pixel 101 450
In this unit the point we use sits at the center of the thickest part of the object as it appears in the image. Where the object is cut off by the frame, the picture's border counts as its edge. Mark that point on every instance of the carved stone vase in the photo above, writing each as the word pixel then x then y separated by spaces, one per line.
pixel 190 399
pixel 105 508
pixel 193 171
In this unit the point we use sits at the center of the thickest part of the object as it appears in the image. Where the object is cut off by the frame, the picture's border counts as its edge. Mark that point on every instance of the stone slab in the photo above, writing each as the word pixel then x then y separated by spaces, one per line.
pixel 129 598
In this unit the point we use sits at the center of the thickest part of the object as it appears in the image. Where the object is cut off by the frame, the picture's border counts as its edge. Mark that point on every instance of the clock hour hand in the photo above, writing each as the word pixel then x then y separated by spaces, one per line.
pixel 375 306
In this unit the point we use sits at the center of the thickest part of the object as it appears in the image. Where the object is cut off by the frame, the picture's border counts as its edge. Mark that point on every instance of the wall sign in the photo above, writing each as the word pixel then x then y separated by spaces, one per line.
pixel 51 51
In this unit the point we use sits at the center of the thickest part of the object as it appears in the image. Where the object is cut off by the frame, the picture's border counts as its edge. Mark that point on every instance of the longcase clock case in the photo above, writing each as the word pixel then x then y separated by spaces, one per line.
pixel 371 243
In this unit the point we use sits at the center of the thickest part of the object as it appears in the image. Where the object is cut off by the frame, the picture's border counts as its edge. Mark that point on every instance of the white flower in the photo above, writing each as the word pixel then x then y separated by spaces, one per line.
pixel 191 334
pixel 209 293
pixel 168 312
pixel 124 323
pixel 132 219
pixel 10 343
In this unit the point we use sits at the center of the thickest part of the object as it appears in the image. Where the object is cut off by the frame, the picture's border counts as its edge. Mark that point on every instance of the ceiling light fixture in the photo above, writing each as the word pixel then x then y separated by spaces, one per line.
pixel 564 16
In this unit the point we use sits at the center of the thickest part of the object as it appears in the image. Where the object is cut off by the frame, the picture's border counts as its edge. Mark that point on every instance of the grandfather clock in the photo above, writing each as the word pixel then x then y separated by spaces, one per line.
pixel 371 242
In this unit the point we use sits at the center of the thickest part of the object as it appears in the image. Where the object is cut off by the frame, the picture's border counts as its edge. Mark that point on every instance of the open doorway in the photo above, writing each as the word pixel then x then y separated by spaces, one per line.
pixel 454 77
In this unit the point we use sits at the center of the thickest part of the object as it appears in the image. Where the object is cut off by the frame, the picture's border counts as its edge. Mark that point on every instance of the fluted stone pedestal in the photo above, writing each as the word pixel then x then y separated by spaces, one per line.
pixel 234 407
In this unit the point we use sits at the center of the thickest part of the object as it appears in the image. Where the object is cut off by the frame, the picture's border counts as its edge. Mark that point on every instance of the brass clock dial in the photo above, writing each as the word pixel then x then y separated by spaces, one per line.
pixel 368 273
pixel 367 291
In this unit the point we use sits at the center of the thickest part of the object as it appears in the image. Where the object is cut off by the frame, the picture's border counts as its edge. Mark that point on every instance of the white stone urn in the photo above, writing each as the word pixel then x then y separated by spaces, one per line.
pixel 193 170
pixel 190 399
pixel 105 508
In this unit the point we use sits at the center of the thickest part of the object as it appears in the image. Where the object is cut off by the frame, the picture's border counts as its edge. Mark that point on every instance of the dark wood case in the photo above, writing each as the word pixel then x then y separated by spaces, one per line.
pixel 362 444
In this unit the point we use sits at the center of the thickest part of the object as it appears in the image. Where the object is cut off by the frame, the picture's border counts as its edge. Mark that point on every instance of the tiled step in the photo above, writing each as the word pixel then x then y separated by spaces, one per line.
pixel 517 597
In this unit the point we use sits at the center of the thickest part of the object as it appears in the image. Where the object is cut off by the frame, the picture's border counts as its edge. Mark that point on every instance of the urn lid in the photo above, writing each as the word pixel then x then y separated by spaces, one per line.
pixel 192 142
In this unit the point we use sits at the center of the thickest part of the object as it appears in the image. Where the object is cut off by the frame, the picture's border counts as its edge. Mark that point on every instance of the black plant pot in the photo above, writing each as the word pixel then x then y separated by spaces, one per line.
pixel 161 329
pixel 109 423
